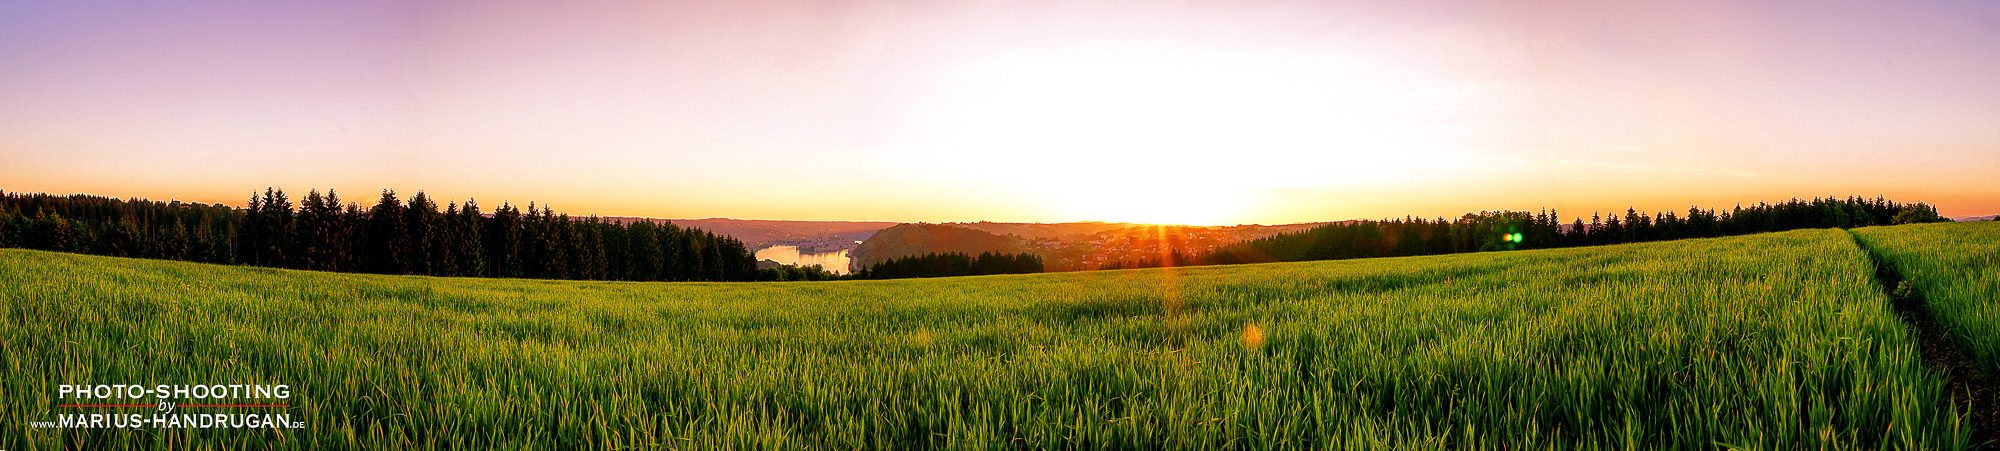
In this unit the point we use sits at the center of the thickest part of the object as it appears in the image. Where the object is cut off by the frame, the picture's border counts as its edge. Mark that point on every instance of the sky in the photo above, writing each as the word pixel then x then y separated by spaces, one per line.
pixel 1190 112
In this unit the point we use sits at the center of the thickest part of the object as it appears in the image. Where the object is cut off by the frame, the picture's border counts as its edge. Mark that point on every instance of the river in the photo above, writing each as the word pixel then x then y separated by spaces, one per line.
pixel 835 262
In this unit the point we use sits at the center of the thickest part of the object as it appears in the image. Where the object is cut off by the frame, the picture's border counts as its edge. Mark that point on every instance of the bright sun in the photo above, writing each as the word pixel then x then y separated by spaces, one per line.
pixel 1175 136
pixel 1174 207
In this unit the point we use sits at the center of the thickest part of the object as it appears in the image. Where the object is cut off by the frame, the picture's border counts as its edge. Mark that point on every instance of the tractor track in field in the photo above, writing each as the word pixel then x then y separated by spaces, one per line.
pixel 1970 388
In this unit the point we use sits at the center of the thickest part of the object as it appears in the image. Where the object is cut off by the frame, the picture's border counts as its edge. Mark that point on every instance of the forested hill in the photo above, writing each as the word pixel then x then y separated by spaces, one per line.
pixel 421 237
pixel 908 240
pixel 1507 230
pixel 393 236
pixel 1072 246
pixel 1042 230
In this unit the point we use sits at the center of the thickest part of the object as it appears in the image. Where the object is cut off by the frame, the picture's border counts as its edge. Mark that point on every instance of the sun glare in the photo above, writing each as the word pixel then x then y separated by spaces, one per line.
pixel 1172 206
pixel 1150 135
pixel 1177 103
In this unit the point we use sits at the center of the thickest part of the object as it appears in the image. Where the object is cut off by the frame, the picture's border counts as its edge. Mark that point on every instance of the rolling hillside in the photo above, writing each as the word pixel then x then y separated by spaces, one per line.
pixel 1063 247
pixel 1771 341
pixel 905 240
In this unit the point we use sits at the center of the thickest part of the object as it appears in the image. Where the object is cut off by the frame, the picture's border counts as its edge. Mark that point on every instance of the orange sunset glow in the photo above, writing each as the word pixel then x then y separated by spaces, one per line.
pixel 1156 112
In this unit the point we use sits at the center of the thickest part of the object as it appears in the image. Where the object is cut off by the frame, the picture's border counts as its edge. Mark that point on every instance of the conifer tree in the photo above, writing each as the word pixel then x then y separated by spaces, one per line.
pixel 386 239
pixel 176 245
pixel 445 252
pixel 317 233
pixel 420 251
pixel 274 233
pixel 468 250
pixel 502 234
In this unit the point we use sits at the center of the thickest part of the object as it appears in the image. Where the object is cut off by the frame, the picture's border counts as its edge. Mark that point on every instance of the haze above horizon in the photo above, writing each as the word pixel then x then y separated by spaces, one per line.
pixel 1197 112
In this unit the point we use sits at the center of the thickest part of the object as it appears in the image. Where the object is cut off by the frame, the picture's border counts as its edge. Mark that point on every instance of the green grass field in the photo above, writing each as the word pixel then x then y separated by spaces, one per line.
pixel 1956 269
pixel 1774 341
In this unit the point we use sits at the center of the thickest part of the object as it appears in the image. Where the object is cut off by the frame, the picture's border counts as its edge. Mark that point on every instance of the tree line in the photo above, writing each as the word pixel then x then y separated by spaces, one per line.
pixel 1510 230
pixel 422 238
pixel 952 264
pixel 793 273
pixel 417 237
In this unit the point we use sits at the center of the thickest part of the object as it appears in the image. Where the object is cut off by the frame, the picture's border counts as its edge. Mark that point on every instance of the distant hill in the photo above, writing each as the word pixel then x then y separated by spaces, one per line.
pixel 1140 241
pixel 758 233
pixel 1040 230
pixel 905 240
pixel 1975 218
pixel 1063 247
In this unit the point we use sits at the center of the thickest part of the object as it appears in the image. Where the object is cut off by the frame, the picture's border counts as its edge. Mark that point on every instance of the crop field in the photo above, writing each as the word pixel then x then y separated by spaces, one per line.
pixel 1772 341
pixel 1955 268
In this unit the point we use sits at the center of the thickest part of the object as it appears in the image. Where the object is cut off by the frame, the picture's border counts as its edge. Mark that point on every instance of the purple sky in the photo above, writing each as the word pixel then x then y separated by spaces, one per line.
pixel 1195 112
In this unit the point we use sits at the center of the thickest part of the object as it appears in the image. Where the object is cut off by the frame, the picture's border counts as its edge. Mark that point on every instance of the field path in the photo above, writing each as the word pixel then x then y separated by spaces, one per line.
pixel 1971 389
